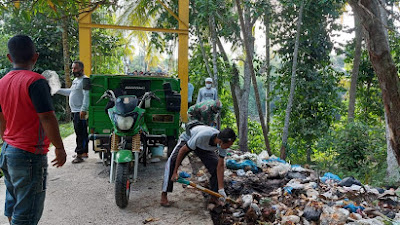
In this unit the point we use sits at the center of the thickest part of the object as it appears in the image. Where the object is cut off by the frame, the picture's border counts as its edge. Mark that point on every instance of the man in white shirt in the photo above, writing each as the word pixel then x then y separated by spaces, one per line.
pixel 207 92
pixel 79 104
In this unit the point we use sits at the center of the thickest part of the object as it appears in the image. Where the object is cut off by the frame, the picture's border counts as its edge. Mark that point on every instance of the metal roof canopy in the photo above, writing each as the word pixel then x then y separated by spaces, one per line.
pixel 85 44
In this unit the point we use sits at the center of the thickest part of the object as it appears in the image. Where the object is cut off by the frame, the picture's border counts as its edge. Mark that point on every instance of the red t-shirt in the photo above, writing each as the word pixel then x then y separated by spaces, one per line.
pixel 24 94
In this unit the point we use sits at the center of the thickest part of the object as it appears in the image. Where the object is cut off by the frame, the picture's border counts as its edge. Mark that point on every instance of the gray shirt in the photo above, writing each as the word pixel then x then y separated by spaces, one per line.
pixel 78 97
pixel 200 138
pixel 207 94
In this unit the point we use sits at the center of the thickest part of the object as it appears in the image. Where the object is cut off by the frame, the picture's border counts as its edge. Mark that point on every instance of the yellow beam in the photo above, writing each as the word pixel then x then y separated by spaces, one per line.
pixel 183 62
pixel 173 14
pixel 119 27
pixel 85 42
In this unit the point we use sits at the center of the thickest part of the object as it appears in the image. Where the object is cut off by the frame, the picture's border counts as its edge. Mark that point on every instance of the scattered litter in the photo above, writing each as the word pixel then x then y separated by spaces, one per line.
pixel 330 176
pixel 349 181
pixel 271 191
pixel 149 220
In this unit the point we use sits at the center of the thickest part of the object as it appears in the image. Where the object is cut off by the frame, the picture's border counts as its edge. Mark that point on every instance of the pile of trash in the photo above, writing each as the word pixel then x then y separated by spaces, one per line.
pixel 271 191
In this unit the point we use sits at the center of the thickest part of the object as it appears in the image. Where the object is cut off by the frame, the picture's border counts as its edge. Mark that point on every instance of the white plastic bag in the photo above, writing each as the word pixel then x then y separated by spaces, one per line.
pixel 53 80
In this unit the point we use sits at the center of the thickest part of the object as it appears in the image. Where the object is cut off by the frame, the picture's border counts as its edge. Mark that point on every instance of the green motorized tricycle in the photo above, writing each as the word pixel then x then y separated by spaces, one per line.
pixel 127 116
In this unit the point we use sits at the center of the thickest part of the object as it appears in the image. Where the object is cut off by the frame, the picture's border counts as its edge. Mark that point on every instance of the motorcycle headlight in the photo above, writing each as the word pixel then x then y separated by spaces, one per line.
pixel 124 123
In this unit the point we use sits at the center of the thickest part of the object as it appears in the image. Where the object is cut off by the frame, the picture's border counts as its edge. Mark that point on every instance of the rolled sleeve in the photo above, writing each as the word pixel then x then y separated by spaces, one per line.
pixel 85 102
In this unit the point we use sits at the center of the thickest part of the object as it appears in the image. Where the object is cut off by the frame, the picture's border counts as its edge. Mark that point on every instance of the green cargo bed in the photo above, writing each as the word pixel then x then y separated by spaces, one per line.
pixel 160 118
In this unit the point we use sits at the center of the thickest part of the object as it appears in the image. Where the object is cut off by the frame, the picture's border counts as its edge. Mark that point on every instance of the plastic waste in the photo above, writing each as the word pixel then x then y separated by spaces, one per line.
pixel 53 79
pixel 330 176
pixel 240 172
pixel 263 155
pixel 234 165
pixel 256 208
pixel 295 175
pixel 251 164
pixel 297 168
pixel 183 174
pixel 349 181
pixel 279 170
pixel 352 208
pixel 312 194
pixel 369 221
pixel 247 199
pixel 288 190
pixel 238 214
pixel 333 215
pixel 292 219
pixel 311 214
pixel 249 173
pixel 274 159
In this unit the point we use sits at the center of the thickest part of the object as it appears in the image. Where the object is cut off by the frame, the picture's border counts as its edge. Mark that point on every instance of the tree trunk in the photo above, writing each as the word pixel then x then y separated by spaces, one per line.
pixel 393 166
pixel 205 57
pixel 203 52
pixel 214 59
pixel 246 31
pixel 244 100
pixel 354 72
pixel 379 52
pixel 234 82
pixel 292 85
pixel 67 66
pixel 244 110
pixel 267 64
pixel 213 33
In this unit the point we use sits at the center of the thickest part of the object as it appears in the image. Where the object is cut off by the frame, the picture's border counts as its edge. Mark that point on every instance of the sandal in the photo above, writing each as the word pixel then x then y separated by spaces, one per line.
pixel 77 160
pixel 166 205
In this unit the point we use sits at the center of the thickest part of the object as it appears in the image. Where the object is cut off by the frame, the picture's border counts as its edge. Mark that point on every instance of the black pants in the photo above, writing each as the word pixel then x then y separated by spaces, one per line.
pixel 80 127
pixel 208 158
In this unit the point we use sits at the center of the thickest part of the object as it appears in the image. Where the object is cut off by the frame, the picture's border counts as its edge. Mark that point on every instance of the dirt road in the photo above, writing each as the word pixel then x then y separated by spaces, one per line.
pixel 81 194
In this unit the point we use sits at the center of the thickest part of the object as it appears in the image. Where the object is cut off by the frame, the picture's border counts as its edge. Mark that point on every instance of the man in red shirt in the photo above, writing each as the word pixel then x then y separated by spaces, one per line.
pixel 27 126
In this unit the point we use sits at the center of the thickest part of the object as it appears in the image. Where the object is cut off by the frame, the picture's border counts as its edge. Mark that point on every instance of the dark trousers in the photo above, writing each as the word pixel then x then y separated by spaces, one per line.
pixel 80 127
pixel 208 158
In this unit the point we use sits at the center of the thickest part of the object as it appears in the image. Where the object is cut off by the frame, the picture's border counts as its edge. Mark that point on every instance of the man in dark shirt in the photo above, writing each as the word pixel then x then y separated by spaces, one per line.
pixel 27 126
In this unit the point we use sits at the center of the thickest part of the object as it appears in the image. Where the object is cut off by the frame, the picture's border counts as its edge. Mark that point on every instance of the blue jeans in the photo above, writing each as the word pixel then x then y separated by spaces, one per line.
pixel 25 176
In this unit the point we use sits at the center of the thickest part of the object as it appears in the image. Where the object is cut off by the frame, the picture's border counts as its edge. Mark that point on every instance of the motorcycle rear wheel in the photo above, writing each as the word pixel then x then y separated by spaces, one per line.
pixel 122 185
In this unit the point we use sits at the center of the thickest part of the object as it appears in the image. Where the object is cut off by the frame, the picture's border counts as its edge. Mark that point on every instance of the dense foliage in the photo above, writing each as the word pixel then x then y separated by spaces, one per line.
pixel 317 102
pixel 356 149
pixel 107 47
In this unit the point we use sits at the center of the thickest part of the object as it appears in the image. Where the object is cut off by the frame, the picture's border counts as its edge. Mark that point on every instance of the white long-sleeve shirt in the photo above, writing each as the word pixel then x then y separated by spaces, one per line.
pixel 207 94
pixel 78 97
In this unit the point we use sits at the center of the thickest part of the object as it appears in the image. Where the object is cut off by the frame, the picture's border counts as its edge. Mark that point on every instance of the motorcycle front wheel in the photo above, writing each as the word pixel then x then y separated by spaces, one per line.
pixel 122 185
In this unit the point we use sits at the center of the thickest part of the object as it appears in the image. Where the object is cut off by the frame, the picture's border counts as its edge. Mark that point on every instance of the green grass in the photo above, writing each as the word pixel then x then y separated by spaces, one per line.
pixel 66 129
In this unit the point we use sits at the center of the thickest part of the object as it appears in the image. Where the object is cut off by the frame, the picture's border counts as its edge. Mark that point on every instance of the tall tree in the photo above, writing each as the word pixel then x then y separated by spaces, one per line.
pixel 355 70
pixel 249 60
pixel 267 19
pixel 285 133
pixel 378 47
pixel 316 101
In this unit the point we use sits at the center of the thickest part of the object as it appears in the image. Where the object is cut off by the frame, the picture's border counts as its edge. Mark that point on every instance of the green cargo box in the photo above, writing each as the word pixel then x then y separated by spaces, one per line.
pixel 162 117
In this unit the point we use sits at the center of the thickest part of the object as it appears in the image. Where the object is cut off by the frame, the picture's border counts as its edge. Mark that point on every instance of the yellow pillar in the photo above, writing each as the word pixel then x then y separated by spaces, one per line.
pixel 183 62
pixel 85 42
